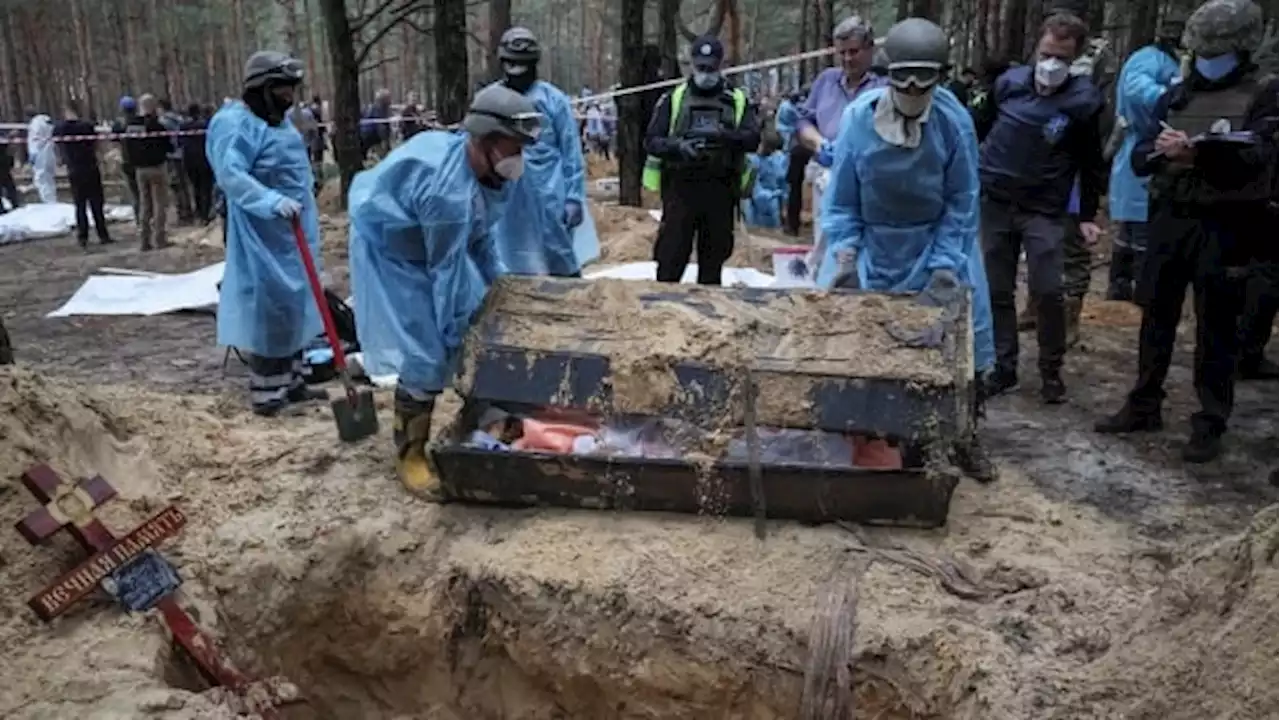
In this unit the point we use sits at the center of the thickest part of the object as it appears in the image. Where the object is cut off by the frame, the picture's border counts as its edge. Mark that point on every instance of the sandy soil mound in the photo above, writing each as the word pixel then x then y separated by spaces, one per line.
pixel 308 560
pixel 627 235
pixel 1221 608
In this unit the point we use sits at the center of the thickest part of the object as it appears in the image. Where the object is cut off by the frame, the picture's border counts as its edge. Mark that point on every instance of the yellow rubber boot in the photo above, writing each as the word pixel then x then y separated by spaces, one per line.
pixel 411 431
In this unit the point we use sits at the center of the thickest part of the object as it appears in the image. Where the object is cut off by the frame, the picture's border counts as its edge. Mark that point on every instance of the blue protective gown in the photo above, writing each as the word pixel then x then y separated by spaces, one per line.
pixel 1143 79
pixel 531 235
pixel 763 208
pixel 786 121
pixel 909 211
pixel 265 305
pixel 422 257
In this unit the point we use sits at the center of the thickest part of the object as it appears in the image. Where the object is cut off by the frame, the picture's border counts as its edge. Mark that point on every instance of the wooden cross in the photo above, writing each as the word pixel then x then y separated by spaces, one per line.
pixel 71 505
pixel 66 505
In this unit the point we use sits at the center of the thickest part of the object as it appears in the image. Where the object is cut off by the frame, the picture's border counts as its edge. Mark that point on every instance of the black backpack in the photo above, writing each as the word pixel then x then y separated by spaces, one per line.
pixel 344 320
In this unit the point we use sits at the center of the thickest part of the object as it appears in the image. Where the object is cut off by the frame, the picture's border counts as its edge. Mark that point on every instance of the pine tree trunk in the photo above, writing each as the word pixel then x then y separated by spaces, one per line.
pixel 451 60
pixel 11 61
pixel 668 21
pixel 345 107
pixel 312 78
pixel 631 116
pixel 499 21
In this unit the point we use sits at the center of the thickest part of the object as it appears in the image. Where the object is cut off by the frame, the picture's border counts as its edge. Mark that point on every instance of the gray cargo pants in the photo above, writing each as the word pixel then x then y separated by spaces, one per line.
pixel 1006 232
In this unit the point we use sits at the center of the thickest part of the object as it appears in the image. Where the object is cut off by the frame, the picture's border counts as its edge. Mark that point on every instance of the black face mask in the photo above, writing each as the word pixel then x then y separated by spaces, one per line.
pixel 521 83
pixel 264 103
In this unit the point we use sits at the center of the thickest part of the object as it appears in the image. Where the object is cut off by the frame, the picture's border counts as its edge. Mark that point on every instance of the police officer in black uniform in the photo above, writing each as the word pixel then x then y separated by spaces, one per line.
pixel 697 141
pixel 1210 199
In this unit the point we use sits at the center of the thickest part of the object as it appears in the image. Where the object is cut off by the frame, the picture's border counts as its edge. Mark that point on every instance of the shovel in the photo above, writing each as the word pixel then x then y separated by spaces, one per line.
pixel 354 413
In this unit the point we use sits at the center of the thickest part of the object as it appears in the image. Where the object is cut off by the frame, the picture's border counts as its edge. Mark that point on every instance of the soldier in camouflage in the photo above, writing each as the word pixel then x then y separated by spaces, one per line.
pixel 1211 155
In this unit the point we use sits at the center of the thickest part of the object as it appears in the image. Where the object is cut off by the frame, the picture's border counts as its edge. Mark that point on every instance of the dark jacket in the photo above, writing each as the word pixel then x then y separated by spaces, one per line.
pixel 193 153
pixel 80 156
pixel 1230 187
pixel 120 127
pixel 1034 146
pixel 146 152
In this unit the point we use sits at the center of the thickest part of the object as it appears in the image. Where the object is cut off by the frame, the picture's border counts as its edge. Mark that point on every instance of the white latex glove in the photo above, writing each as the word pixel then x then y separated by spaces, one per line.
pixel 288 208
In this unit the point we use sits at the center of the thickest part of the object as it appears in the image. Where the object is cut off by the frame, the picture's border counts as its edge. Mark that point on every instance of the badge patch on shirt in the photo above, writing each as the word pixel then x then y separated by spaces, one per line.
pixel 1054 129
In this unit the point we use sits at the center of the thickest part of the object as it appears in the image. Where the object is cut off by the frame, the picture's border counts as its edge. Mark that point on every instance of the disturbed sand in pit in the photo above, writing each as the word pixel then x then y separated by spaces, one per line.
pixel 311 561
pixel 1106 580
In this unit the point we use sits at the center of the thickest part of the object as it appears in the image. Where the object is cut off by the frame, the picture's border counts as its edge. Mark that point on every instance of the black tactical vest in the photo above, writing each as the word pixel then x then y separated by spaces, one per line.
pixel 1213 110
pixel 707 113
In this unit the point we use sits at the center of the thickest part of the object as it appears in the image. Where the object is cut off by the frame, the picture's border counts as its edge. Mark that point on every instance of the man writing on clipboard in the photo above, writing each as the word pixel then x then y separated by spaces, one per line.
pixel 1211 156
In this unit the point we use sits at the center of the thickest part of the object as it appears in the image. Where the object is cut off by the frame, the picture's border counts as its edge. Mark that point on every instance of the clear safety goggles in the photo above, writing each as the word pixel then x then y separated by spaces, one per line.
pixel 918 75
pixel 527 124
pixel 290 71
pixel 522 45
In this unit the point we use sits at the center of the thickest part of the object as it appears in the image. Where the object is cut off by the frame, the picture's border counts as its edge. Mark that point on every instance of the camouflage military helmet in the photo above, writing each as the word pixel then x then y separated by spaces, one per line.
pixel 1219 27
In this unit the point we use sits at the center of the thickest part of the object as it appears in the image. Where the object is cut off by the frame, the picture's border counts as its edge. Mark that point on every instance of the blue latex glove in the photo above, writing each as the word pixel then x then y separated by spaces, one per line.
pixel 572 214
pixel 943 290
pixel 288 208
pixel 825 155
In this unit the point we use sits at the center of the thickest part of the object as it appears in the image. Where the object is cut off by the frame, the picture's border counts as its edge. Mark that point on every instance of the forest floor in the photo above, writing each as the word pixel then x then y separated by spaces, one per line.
pixel 1098 578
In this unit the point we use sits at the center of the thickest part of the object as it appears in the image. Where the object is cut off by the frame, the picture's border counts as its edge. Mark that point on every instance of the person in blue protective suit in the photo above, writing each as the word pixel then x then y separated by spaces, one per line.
pixel 423 254
pixel 787 118
pixel 901 211
pixel 535 235
pixel 265 307
pixel 768 185
pixel 1146 75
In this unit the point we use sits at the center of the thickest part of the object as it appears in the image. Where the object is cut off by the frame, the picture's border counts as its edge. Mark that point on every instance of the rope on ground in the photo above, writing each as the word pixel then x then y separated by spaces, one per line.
pixel 828 674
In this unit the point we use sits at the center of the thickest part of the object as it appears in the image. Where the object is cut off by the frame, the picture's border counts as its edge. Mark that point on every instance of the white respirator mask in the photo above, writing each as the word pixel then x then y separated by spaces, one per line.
pixel 510 167
pixel 1052 72
pixel 706 80
pixel 911 106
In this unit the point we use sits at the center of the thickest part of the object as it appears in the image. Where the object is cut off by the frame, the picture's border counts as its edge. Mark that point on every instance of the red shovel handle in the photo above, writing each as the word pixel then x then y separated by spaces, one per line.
pixel 330 330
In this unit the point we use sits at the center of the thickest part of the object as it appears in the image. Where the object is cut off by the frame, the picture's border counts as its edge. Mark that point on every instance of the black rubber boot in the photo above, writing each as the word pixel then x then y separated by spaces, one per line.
pixel 1121 275
pixel 305 393
pixel 999 382
pixel 1202 447
pixel 1129 420
pixel 1052 390
pixel 1258 368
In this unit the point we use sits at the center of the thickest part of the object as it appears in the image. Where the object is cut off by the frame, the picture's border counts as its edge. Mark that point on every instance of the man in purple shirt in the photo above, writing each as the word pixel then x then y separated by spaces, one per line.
pixel 832 90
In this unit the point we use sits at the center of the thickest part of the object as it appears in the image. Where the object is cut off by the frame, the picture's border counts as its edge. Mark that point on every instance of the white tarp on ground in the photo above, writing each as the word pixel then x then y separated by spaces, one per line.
pixel 729 277
pixel 36 220
pixel 144 294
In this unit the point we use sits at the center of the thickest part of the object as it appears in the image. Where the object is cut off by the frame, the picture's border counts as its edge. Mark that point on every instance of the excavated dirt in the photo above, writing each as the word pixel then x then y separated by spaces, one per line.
pixel 628 234
pixel 651 325
pixel 1099 578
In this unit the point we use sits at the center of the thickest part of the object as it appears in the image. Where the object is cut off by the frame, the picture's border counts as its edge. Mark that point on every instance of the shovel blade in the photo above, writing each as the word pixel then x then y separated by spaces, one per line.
pixel 355 422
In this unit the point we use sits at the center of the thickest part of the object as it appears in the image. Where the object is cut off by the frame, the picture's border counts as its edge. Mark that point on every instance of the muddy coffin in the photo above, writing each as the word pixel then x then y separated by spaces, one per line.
pixel 812 360
pixel 910 497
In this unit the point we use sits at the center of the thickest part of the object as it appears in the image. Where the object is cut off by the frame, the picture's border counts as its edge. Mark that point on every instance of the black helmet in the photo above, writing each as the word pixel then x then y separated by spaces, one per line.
pixel 270 67
pixel 917 51
pixel 519 45
pixel 499 110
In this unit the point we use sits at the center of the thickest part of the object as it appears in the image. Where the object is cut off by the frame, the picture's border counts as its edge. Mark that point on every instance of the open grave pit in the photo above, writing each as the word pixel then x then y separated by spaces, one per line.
pixel 308 560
